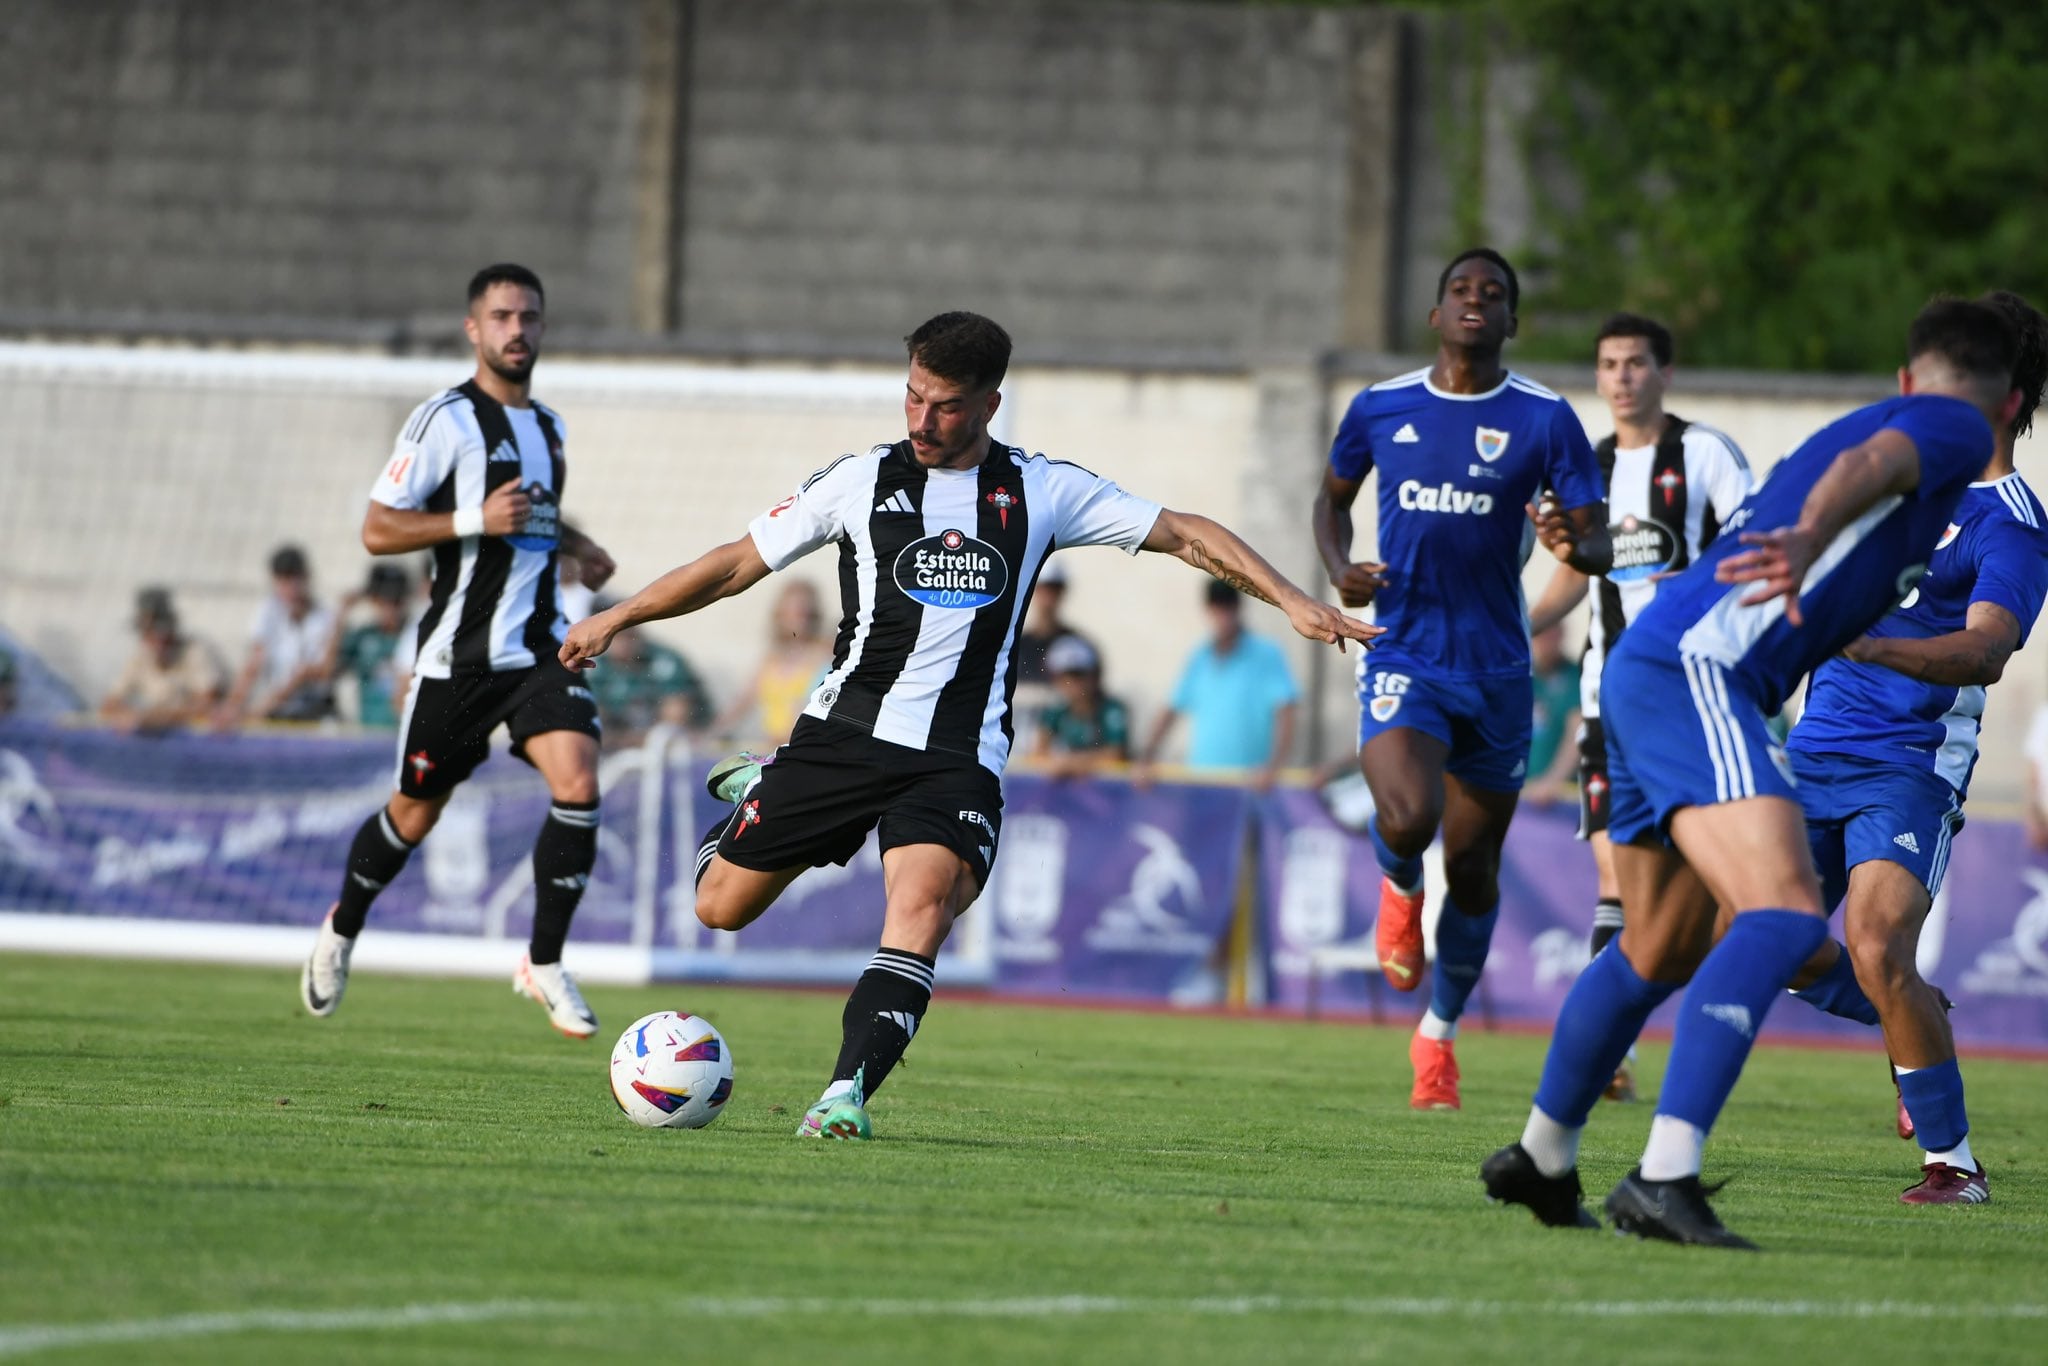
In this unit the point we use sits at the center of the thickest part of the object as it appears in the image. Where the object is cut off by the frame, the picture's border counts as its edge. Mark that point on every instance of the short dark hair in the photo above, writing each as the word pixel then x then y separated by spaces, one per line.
pixel 965 348
pixel 1217 593
pixel 1974 338
pixel 504 273
pixel 1443 281
pixel 288 562
pixel 387 582
pixel 2030 364
pixel 1636 325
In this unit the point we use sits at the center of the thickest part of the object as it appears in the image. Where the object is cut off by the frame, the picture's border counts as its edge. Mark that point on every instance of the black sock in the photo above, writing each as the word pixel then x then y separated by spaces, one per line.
pixel 883 1013
pixel 1606 923
pixel 377 856
pixel 563 856
pixel 708 846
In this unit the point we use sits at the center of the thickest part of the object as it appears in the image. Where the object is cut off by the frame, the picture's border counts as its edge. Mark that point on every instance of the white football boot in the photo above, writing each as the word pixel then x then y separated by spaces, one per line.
pixel 325 975
pixel 554 988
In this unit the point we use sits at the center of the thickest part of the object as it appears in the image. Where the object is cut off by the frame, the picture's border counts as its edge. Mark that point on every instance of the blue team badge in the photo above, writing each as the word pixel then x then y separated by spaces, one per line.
pixel 1948 536
pixel 953 570
pixel 543 523
pixel 1492 444
pixel 1643 547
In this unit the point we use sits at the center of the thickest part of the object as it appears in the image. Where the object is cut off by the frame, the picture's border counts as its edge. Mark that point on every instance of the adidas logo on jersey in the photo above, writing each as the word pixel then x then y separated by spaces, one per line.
pixel 1407 436
pixel 1736 1017
pixel 505 453
pixel 899 501
pixel 1420 497
pixel 1907 842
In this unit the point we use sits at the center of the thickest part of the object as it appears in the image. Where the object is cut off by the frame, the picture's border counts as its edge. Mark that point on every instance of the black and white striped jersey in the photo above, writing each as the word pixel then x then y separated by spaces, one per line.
pixel 935 569
pixel 495 603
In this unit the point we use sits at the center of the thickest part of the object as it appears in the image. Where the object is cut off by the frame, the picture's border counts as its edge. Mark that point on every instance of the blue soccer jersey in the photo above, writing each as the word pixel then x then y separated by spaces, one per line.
pixel 1455 471
pixel 1995 551
pixel 1875 561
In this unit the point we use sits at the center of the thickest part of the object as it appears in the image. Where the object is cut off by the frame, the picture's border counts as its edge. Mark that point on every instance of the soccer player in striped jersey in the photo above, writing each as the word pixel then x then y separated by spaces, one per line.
pixel 940 539
pixel 1705 808
pixel 477 477
pixel 1670 484
pixel 1883 753
pixel 1445 705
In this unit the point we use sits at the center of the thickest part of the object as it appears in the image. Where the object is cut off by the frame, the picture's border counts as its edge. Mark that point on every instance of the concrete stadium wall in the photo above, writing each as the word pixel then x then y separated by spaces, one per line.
pixel 131 466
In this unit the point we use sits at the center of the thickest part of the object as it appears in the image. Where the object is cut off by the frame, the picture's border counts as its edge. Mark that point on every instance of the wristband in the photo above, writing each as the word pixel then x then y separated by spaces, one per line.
pixel 469 522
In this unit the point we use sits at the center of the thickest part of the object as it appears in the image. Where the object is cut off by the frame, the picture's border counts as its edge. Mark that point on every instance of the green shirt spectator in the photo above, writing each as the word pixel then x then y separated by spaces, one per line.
pixel 641 684
pixel 365 656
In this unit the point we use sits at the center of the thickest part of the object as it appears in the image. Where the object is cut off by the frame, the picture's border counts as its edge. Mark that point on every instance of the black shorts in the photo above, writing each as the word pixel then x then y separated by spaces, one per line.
pixel 1592 779
pixel 834 782
pixel 448 721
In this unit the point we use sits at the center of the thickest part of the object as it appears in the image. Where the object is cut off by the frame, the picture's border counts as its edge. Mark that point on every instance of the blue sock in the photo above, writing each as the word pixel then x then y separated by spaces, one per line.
pixel 1725 1006
pixel 1600 1019
pixel 1934 1098
pixel 1461 944
pixel 1838 993
pixel 1406 872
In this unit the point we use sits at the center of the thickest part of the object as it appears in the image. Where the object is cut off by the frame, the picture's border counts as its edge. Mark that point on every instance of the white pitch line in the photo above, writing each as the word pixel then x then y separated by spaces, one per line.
pixel 23 1339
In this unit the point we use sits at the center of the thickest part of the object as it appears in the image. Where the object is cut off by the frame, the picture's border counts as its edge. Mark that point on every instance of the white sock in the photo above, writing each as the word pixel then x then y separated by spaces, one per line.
pixel 1435 1026
pixel 1957 1157
pixel 835 1091
pixel 1554 1148
pixel 1899 1071
pixel 1673 1150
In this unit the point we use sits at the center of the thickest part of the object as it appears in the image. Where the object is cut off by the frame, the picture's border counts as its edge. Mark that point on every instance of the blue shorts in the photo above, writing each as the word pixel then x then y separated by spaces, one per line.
pixel 1858 810
pixel 1486 721
pixel 1681 732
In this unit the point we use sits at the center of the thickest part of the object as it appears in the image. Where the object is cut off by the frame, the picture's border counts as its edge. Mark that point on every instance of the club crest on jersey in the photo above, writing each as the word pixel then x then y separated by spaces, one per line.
pixel 1643 547
pixel 1002 500
pixel 1948 536
pixel 1668 484
pixel 1383 708
pixel 952 570
pixel 1492 444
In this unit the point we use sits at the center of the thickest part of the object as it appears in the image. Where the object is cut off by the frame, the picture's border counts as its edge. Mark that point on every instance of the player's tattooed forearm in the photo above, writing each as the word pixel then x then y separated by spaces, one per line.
pixel 1199 554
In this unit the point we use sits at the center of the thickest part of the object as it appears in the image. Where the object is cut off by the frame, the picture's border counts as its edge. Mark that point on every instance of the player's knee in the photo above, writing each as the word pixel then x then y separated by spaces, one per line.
pixel 919 918
pixel 1884 962
pixel 579 787
pixel 413 818
pixel 1472 878
pixel 719 912
pixel 1407 827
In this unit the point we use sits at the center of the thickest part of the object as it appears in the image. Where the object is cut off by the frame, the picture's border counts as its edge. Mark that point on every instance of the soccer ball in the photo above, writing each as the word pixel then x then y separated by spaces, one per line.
pixel 671 1071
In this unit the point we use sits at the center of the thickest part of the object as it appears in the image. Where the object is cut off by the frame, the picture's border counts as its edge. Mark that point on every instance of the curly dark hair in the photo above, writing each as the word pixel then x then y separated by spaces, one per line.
pixel 1443 281
pixel 2030 366
pixel 965 348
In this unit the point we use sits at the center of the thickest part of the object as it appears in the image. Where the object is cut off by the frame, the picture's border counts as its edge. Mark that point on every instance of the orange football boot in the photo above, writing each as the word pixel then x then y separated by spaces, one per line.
pixel 1397 935
pixel 1436 1074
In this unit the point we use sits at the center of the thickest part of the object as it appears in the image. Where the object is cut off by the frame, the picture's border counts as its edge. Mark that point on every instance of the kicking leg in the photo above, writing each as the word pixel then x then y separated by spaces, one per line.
pixel 379 852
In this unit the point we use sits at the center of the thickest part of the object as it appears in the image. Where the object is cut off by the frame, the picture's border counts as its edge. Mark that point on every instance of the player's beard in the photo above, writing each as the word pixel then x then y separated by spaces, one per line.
pixel 516 369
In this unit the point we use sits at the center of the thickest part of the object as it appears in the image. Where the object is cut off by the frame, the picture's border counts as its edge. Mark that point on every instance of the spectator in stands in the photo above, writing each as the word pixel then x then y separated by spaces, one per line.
pixel 1086 727
pixel 172 680
pixel 1043 623
pixel 288 674
pixel 1238 694
pixel 1552 762
pixel 366 651
pixel 798 652
pixel 643 685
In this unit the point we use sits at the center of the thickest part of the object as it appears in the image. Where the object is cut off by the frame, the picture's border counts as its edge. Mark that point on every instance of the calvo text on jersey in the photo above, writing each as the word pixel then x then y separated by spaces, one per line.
pixel 1417 496
pixel 952 569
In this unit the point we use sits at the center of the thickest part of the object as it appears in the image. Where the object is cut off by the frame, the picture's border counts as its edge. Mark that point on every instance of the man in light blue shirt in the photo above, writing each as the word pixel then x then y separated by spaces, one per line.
pixel 1237 692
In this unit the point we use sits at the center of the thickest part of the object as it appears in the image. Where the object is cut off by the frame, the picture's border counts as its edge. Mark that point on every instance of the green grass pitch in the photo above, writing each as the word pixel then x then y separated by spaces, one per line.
pixel 201 1173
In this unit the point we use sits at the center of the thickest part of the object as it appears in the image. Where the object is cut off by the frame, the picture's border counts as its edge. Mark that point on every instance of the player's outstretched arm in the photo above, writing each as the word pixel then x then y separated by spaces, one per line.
pixel 1218 551
pixel 730 569
pixel 1330 517
pixel 1567 589
pixel 1777 560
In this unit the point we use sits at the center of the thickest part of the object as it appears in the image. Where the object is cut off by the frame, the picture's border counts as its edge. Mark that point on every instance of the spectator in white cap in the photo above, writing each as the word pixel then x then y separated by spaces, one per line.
pixel 1085 727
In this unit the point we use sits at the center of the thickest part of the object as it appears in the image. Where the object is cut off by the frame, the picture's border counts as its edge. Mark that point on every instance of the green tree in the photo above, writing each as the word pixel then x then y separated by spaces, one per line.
pixel 1785 181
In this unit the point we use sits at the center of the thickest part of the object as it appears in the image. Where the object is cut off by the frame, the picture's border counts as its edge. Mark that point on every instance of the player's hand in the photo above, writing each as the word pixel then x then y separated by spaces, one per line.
pixel 1320 621
pixel 597 567
pixel 1356 583
pixel 586 640
pixel 506 510
pixel 1777 561
pixel 1554 529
